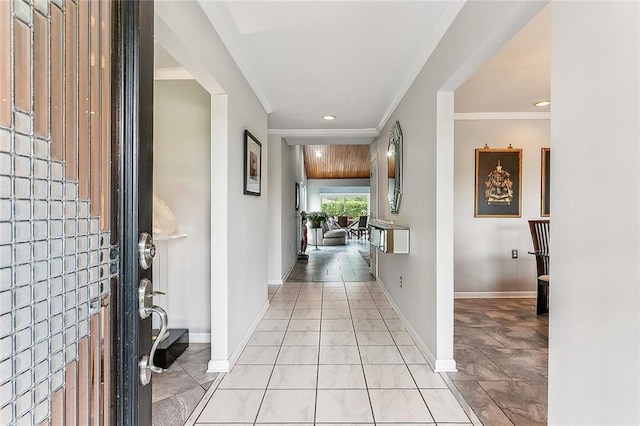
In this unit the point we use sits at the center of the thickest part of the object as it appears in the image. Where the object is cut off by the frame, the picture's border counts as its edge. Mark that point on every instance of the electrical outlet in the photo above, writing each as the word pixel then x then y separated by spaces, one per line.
pixel 289 248
pixel 400 281
pixel 514 254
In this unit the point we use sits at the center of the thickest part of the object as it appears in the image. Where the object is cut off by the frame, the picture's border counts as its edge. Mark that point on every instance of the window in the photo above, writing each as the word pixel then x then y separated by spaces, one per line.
pixel 349 205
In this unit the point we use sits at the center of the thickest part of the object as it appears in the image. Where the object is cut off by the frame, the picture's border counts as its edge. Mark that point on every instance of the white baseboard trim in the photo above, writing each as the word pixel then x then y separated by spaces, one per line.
pixel 286 275
pixel 225 365
pixel 199 337
pixel 293 264
pixel 218 366
pixel 445 366
pixel 494 295
pixel 419 343
pixel 238 351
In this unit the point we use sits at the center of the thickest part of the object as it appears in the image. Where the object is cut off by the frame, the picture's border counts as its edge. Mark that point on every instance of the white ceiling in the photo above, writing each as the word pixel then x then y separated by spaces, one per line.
pixel 518 75
pixel 356 59
pixel 352 59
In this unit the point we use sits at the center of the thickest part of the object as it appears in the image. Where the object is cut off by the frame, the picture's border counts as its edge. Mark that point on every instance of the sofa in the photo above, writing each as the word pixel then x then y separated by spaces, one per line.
pixel 329 234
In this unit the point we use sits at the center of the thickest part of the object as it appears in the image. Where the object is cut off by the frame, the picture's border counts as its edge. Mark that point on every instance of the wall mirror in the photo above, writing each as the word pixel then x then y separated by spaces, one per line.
pixel 394 168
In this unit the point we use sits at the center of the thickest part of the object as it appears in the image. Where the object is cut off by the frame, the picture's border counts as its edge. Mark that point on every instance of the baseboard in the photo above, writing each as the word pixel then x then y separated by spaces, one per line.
pixel 199 337
pixel 286 275
pixel 290 270
pixel 419 343
pixel 224 366
pixel 238 351
pixel 218 366
pixel 445 366
pixel 494 295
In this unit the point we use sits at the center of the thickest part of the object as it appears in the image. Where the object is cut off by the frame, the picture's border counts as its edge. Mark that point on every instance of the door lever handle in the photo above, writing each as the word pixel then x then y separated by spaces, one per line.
pixel 154 293
pixel 145 309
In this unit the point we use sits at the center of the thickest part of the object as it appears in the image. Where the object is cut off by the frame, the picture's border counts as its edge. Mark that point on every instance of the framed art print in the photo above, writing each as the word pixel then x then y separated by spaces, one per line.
pixel 252 164
pixel 545 184
pixel 498 183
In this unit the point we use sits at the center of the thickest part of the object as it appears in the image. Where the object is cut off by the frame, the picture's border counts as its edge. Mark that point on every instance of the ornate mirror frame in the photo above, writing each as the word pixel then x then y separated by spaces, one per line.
pixel 394 168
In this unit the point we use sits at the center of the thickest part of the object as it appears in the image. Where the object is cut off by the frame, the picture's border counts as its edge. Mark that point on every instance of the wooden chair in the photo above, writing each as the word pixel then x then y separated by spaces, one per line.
pixel 540 236
pixel 363 227
pixel 343 221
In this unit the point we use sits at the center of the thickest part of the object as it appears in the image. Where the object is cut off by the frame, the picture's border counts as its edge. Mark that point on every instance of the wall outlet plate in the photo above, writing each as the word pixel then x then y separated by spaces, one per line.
pixel 514 254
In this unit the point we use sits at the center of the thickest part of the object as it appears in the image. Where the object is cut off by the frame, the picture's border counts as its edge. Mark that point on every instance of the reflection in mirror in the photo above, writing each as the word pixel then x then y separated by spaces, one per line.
pixel 394 168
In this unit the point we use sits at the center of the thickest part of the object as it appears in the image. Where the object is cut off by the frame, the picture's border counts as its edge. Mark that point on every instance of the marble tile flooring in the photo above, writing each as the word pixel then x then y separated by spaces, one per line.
pixel 334 263
pixel 334 351
pixel 501 352
pixel 331 352
pixel 177 391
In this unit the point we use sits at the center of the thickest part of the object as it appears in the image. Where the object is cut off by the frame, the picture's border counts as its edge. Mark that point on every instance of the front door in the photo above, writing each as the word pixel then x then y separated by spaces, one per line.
pixel 75 193
pixel 134 118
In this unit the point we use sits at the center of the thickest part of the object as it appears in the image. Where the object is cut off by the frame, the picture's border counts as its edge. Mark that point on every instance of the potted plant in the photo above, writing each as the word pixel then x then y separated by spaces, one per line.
pixel 316 219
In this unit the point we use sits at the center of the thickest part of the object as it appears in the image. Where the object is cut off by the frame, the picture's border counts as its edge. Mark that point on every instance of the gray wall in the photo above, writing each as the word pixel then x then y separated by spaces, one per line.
pixel 594 334
pixel 477 26
pixel 483 245
pixel 286 167
pixel 182 179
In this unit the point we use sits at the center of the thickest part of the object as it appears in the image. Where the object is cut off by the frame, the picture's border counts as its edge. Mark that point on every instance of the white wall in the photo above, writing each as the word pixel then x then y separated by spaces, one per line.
pixel 286 167
pixel 594 334
pixel 181 178
pixel 483 246
pixel 315 185
pixel 239 230
pixel 477 32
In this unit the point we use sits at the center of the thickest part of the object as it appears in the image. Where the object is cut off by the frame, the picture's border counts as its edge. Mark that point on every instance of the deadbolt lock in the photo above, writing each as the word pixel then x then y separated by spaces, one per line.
pixel 146 250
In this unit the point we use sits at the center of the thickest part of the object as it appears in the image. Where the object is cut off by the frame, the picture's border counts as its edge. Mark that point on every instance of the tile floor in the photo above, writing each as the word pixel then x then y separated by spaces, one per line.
pixel 331 352
pixel 501 352
pixel 177 391
pixel 335 352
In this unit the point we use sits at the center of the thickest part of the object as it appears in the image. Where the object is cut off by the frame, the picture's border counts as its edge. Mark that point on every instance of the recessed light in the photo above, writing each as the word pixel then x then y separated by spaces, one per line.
pixel 329 117
pixel 542 103
pixel 318 154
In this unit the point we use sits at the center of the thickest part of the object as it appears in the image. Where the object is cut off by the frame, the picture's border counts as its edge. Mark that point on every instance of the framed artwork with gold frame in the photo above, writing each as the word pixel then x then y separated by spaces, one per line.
pixel 498 182
pixel 545 182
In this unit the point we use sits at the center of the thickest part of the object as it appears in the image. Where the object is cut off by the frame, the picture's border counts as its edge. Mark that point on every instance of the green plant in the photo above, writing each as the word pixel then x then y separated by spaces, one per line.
pixel 316 218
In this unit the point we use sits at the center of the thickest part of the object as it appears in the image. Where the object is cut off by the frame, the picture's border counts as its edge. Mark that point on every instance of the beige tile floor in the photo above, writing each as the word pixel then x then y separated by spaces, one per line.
pixel 331 352
pixel 347 333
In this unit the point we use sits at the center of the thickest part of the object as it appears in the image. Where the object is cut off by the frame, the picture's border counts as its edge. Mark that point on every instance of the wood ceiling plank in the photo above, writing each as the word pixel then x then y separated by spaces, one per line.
pixel 337 161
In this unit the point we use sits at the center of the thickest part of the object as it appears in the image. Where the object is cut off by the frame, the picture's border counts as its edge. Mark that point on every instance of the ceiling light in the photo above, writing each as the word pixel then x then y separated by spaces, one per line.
pixel 329 117
pixel 318 154
pixel 542 103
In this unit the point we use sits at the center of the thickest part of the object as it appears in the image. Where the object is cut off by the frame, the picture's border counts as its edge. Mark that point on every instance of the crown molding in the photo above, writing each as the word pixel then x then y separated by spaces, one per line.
pixel 323 133
pixel 439 30
pixel 177 73
pixel 211 9
pixel 502 116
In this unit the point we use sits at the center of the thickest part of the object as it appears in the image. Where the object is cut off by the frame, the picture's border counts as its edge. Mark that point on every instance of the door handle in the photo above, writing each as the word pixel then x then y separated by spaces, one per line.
pixel 145 309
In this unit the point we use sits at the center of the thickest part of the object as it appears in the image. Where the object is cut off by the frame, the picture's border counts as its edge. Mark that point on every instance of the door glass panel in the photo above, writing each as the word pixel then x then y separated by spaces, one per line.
pixel 22 65
pixel 55 246
pixel 41 75
pixel 95 113
pixel 84 104
pixel 5 64
pixel 57 82
pixel 105 76
pixel 71 91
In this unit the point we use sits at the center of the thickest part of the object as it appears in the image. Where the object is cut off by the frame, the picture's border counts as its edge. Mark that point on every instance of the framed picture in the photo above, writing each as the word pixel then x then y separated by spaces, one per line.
pixel 252 164
pixel 297 196
pixel 498 185
pixel 545 184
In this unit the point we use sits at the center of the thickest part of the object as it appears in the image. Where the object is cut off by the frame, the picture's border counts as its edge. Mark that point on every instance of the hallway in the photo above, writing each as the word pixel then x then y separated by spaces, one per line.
pixel 330 352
